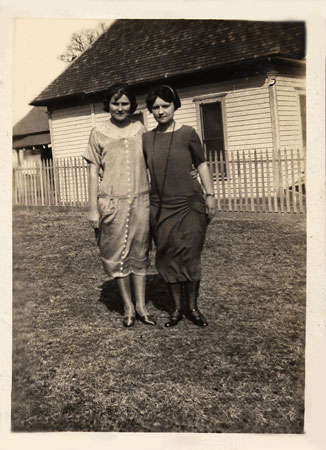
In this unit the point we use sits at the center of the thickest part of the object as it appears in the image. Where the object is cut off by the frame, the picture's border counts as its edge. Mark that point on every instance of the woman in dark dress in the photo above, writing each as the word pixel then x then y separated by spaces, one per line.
pixel 179 210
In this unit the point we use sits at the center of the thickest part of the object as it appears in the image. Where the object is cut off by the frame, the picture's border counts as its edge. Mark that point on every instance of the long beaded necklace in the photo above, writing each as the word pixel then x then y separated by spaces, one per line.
pixel 160 194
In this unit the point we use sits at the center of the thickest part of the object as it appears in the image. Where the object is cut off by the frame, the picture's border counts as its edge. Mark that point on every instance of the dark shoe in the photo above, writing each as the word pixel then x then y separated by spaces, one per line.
pixel 197 318
pixel 128 321
pixel 147 319
pixel 175 317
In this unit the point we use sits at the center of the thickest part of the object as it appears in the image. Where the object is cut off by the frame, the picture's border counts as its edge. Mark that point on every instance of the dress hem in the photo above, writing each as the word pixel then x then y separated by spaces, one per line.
pixel 124 275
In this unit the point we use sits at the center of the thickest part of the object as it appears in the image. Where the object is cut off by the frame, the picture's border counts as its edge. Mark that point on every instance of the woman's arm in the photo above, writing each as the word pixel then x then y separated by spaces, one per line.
pixel 93 214
pixel 206 179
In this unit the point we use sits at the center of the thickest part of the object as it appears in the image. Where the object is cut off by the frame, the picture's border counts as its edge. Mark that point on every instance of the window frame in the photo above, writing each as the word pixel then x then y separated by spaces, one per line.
pixel 211 98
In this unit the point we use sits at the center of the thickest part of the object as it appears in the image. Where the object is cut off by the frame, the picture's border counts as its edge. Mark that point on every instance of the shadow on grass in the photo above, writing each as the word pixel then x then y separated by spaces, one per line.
pixel 110 296
pixel 156 294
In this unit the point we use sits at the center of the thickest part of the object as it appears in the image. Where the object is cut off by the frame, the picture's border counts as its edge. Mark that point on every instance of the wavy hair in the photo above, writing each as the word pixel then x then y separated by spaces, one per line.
pixel 166 93
pixel 118 90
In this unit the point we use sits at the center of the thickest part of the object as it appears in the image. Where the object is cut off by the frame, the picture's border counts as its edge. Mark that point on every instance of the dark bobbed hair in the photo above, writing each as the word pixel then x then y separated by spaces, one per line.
pixel 119 89
pixel 166 93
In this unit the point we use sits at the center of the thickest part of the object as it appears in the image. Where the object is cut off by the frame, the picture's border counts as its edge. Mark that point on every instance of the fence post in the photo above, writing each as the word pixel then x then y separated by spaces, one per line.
pixel 294 195
pixel 34 183
pixel 257 181
pixel 85 178
pixel 64 181
pixel 26 187
pixel 281 180
pixel 245 185
pixel 287 192
pixel 41 183
pixel 252 206
pixel 299 182
pixel 275 182
pixel 58 187
pixel 262 182
pixel 67 181
pixel 80 184
pixel 72 185
pixel 14 187
pixel 235 199
pixel 55 182
pixel 48 190
pixel 223 181
pixel 227 167
pixel 19 186
pixel 217 171
pixel 269 190
pixel 76 181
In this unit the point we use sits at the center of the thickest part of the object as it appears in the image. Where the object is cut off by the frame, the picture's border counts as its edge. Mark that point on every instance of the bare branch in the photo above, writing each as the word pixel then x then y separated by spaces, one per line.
pixel 82 40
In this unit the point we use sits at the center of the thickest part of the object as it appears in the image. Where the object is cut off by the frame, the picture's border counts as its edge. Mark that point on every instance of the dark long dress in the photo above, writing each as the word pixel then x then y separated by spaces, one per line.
pixel 179 225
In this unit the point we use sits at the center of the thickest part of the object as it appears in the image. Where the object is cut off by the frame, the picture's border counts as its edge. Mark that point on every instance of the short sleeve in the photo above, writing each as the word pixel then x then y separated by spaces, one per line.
pixel 93 152
pixel 196 149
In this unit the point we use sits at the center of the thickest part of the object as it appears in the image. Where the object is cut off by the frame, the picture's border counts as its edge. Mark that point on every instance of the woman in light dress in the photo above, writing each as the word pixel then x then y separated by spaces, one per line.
pixel 119 204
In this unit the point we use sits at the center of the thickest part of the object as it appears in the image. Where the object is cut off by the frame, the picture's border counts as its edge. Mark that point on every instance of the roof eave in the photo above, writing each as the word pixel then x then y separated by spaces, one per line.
pixel 80 96
pixel 50 100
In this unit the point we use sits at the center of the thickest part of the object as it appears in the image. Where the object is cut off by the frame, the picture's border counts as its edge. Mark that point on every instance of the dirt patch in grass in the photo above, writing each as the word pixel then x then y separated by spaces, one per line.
pixel 75 368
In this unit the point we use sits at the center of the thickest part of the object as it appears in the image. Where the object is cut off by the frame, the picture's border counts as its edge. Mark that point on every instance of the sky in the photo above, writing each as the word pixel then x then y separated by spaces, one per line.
pixel 37 45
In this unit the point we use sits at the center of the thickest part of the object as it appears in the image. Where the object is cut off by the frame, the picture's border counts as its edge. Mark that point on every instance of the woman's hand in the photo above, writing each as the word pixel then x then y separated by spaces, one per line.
pixel 94 219
pixel 210 207
pixel 194 174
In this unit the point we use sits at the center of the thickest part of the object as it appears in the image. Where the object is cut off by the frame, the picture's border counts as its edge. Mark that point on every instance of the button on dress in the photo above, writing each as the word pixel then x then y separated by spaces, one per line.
pixel 123 198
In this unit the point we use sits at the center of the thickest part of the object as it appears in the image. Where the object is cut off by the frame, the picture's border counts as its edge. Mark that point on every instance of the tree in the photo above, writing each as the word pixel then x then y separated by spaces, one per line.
pixel 80 41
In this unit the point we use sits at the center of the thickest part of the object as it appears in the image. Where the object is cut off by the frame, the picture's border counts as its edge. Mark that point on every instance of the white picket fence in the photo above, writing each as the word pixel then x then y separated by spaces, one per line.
pixel 251 181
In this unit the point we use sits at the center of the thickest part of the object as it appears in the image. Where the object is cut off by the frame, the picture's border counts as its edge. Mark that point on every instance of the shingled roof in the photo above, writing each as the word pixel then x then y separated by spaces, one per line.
pixel 35 121
pixel 32 130
pixel 141 51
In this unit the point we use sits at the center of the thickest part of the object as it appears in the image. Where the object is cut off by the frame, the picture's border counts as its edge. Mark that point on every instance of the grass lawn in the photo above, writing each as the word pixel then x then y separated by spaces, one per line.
pixel 75 368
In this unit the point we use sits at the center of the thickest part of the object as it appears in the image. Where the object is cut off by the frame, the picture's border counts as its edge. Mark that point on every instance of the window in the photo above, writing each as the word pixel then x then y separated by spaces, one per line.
pixel 212 129
pixel 211 111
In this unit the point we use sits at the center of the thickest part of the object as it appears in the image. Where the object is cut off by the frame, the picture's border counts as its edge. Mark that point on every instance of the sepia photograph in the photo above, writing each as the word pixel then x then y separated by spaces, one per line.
pixel 159 173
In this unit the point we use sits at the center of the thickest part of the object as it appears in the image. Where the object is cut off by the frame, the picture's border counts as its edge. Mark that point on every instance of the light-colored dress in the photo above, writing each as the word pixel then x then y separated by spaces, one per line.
pixel 123 198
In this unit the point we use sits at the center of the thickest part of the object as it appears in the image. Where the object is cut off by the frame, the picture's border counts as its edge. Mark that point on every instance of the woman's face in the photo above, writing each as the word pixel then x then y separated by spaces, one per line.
pixel 163 111
pixel 119 107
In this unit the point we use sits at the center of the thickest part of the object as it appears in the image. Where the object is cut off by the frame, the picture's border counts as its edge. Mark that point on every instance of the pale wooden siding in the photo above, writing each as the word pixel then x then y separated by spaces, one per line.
pixel 70 129
pixel 290 128
pixel 247 111
pixel 247 116
pixel 99 114
pixel 248 119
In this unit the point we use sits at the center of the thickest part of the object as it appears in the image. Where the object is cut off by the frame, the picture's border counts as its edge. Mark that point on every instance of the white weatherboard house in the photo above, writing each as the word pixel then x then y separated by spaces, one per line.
pixel 241 83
